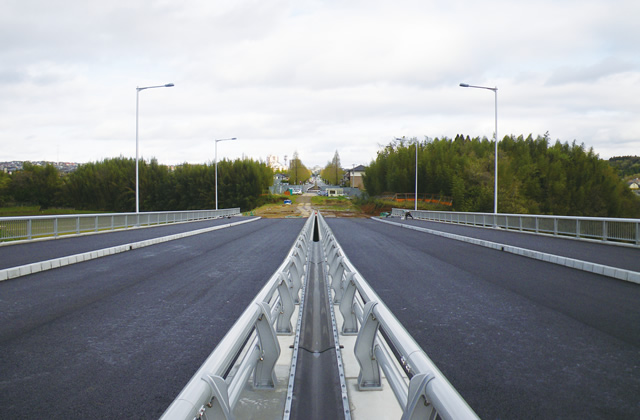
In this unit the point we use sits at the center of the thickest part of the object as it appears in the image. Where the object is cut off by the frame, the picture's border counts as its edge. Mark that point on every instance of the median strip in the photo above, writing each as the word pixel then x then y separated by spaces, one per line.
pixel 604 270
pixel 25 270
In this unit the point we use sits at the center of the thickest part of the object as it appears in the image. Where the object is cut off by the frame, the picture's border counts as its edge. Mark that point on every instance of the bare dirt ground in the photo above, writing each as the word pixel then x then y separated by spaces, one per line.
pixel 303 207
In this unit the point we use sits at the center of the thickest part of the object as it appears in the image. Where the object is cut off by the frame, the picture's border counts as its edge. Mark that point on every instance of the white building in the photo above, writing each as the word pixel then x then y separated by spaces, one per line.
pixel 273 163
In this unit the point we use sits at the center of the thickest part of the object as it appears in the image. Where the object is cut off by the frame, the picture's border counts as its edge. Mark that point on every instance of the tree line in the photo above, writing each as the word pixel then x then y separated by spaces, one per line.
pixel 534 176
pixel 627 166
pixel 109 185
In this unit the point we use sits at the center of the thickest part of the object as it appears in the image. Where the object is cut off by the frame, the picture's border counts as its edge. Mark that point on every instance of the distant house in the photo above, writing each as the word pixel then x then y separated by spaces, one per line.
pixel 278 178
pixel 634 185
pixel 355 177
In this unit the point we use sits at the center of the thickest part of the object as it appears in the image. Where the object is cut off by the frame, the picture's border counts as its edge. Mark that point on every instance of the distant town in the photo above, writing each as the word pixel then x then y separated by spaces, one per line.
pixel 16 165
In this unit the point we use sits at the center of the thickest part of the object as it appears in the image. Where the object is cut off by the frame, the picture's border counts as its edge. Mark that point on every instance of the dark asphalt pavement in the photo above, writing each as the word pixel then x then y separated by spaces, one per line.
pixel 517 337
pixel 120 336
pixel 13 255
pixel 605 253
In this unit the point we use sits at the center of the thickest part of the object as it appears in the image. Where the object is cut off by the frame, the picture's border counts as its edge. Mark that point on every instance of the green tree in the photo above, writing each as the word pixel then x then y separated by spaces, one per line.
pixel 298 173
pixel 333 172
pixel 535 178
pixel 35 184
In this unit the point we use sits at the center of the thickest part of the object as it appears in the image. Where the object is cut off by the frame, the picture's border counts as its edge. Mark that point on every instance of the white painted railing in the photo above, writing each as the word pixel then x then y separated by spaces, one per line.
pixel 250 346
pixel 428 393
pixel 589 228
pixel 32 227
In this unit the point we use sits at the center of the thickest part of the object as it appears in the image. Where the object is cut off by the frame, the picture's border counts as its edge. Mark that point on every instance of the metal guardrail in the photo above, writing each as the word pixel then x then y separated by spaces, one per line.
pixel 590 228
pixel 32 227
pixel 250 346
pixel 428 392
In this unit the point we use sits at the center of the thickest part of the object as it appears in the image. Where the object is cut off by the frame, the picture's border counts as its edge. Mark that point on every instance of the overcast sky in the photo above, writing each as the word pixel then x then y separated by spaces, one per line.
pixel 312 76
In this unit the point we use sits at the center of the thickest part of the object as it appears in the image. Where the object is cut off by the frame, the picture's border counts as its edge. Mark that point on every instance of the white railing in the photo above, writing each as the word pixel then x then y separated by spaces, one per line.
pixel 428 392
pixel 590 228
pixel 250 346
pixel 32 227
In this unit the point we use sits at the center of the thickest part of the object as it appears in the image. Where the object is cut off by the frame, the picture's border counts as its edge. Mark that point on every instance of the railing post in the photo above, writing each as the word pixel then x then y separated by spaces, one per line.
pixel 264 376
pixel 295 272
pixel 220 406
pixel 369 377
pixel 418 404
pixel 283 323
pixel 350 320
pixel 336 272
pixel 604 230
pixel 55 227
pixel 29 233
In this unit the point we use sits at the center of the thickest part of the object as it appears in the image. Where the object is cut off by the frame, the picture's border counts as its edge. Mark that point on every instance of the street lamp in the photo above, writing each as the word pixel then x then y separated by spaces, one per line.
pixel 138 89
pixel 233 138
pixel 495 186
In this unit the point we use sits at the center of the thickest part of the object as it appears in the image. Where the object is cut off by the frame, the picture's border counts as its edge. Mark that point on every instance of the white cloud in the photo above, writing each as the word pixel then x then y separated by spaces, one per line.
pixel 312 76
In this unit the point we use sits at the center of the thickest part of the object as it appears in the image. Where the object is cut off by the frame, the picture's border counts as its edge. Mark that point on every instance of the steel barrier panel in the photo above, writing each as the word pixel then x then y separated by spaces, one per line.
pixel 25 227
pixel 592 228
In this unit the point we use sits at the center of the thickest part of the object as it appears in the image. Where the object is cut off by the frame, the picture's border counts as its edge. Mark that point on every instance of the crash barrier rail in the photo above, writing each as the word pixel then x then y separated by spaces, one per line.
pixel 586 228
pixel 250 346
pixel 32 227
pixel 428 393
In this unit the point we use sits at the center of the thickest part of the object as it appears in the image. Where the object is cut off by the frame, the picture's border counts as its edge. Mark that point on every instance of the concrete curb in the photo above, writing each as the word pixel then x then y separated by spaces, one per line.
pixel 604 270
pixel 25 270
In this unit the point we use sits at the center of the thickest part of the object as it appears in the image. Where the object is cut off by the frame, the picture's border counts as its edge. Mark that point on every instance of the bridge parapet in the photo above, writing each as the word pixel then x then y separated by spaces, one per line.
pixel 427 392
pixel 370 336
pixel 250 346
pixel 608 229
pixel 32 227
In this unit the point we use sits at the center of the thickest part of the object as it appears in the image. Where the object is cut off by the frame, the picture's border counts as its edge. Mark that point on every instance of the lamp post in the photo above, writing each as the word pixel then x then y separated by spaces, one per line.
pixel 233 138
pixel 138 89
pixel 495 186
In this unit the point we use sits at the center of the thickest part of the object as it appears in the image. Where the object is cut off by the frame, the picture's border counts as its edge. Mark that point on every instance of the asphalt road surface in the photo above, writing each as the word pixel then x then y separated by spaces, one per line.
pixel 13 255
pixel 518 338
pixel 118 337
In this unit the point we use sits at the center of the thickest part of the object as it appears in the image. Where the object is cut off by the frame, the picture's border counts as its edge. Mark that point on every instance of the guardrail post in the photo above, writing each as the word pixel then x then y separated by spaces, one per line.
pixel 55 227
pixel 296 281
pixel 264 376
pixel 283 323
pixel 336 272
pixel 333 254
pixel 418 404
pixel 219 407
pixel 350 323
pixel 604 230
pixel 369 377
